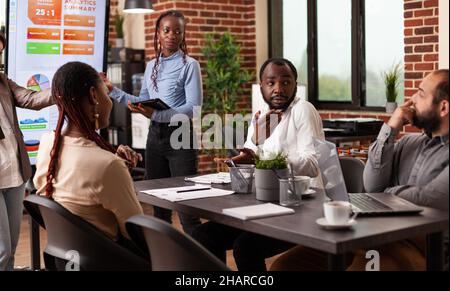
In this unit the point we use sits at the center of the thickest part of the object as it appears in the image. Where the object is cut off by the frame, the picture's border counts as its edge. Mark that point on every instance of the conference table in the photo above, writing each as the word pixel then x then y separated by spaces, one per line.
pixel 301 228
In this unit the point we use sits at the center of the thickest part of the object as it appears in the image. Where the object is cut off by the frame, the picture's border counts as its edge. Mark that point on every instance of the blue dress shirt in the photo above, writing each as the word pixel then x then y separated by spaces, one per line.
pixel 179 86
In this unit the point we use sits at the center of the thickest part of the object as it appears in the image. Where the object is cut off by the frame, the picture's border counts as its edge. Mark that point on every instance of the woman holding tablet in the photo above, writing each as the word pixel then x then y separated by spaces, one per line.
pixel 174 78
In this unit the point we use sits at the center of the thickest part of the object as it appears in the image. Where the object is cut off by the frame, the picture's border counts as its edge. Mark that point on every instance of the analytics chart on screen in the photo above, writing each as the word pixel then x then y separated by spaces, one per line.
pixel 42 36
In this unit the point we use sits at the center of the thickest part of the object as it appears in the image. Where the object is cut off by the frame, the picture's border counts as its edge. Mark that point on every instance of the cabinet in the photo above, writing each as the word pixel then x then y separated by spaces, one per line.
pixel 124 65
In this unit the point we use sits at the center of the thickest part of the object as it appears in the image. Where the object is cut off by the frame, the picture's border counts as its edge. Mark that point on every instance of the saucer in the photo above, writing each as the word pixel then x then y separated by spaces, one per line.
pixel 309 193
pixel 324 223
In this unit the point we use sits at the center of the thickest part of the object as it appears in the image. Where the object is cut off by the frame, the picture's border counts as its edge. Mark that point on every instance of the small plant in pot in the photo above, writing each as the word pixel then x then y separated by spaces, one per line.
pixel 118 24
pixel 270 167
pixel 391 81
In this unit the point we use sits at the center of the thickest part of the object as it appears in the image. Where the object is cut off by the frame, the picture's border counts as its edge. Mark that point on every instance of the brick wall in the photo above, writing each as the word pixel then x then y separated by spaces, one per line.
pixel 206 16
pixel 112 30
pixel 421 43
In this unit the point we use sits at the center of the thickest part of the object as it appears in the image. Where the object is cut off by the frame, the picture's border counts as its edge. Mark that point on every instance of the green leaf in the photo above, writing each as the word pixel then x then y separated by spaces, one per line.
pixel 391 80
pixel 280 162
pixel 225 78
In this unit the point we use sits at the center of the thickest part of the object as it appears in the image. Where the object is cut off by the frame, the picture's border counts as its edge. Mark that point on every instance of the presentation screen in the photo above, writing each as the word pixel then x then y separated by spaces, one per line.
pixel 42 36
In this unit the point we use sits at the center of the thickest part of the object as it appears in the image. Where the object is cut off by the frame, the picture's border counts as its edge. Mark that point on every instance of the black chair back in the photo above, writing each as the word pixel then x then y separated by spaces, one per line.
pixel 353 171
pixel 67 232
pixel 170 249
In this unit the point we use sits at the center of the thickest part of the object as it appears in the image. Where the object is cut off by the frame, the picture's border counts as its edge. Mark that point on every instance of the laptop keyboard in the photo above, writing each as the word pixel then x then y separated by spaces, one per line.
pixel 367 204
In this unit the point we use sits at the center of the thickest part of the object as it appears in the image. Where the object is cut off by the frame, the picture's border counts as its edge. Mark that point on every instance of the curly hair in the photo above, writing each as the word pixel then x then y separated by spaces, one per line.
pixel 278 62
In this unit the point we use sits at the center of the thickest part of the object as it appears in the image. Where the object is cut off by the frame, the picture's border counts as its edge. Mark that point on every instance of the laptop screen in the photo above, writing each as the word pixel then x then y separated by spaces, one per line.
pixel 330 168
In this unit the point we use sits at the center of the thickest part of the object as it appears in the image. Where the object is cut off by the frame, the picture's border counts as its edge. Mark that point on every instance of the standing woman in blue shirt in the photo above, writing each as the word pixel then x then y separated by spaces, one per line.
pixel 175 78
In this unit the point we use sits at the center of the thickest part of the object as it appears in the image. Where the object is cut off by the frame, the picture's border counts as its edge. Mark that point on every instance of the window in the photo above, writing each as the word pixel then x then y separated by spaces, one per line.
pixel 295 37
pixel 384 47
pixel 348 48
pixel 334 43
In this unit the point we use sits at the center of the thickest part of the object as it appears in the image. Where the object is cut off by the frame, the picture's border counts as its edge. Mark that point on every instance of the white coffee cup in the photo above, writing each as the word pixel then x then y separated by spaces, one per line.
pixel 337 212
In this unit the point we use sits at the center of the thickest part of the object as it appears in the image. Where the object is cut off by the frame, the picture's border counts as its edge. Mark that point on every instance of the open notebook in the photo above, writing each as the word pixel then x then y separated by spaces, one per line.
pixel 257 211
pixel 217 178
pixel 187 193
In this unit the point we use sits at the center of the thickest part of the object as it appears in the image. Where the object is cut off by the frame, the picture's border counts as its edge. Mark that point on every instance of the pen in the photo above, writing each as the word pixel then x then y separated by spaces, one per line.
pixel 192 190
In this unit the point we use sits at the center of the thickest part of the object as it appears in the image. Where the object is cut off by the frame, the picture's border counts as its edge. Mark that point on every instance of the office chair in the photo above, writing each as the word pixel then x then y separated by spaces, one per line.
pixel 353 170
pixel 67 233
pixel 171 250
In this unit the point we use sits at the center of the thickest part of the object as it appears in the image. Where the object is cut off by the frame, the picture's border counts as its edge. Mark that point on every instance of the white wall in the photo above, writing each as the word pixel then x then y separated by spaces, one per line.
pixel 262 33
pixel 2 12
pixel 134 29
pixel 262 49
pixel 443 34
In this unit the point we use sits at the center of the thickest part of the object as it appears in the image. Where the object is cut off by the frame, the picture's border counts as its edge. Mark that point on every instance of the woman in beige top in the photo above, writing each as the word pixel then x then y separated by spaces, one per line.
pixel 78 168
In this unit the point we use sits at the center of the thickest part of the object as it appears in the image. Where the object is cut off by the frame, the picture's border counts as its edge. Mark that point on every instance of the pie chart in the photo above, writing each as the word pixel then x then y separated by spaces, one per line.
pixel 38 83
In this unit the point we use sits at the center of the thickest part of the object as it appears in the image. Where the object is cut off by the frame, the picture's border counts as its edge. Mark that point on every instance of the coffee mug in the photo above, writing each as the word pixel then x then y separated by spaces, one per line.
pixel 337 212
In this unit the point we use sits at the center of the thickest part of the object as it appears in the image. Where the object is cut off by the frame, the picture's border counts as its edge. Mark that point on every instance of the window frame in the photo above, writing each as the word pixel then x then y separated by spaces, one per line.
pixel 358 54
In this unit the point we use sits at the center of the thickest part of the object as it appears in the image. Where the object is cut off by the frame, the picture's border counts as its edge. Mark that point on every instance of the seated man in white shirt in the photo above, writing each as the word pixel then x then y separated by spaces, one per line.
pixel 298 123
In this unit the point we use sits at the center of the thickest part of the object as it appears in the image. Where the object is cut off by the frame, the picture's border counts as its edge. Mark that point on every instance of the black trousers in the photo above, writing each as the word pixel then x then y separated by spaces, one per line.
pixel 249 250
pixel 162 161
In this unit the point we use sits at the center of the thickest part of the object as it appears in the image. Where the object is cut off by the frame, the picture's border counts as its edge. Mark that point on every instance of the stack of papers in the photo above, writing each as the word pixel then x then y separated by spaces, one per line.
pixel 219 178
pixel 257 211
pixel 187 193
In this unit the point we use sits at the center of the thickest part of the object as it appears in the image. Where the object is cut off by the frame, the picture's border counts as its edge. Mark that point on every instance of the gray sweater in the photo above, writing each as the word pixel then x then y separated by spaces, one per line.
pixel 414 168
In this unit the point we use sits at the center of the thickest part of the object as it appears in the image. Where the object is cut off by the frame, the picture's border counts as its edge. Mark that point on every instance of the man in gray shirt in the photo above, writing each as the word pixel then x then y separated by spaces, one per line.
pixel 415 167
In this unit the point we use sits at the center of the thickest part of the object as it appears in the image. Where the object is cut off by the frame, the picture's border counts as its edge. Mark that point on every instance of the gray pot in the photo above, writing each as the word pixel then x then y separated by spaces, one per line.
pixel 391 107
pixel 267 184
pixel 120 42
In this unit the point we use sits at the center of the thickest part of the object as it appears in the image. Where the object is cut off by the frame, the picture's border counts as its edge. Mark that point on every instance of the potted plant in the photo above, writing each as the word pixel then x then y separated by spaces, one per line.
pixel 391 81
pixel 118 24
pixel 270 167
pixel 223 82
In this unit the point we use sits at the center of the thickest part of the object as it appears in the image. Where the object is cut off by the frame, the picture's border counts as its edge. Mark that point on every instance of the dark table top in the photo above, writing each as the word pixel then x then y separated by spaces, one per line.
pixel 301 227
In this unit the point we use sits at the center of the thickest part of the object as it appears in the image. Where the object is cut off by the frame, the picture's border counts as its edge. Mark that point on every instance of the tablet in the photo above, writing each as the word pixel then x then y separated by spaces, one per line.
pixel 157 104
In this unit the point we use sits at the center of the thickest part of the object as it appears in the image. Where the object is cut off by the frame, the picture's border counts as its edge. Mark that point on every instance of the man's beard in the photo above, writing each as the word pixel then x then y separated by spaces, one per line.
pixel 282 108
pixel 429 122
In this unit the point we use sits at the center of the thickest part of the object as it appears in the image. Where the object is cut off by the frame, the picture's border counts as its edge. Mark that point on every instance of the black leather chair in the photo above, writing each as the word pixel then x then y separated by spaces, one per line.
pixel 170 249
pixel 67 232
pixel 353 171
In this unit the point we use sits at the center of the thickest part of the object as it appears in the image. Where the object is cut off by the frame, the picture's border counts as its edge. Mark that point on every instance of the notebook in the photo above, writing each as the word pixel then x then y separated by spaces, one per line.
pixel 257 211
pixel 179 194
pixel 218 178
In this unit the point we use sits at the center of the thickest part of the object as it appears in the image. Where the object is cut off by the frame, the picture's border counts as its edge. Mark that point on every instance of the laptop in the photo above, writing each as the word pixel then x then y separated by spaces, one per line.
pixel 362 203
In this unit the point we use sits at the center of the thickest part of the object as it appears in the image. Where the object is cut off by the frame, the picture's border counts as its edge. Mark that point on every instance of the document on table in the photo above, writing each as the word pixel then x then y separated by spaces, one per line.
pixel 257 211
pixel 187 193
pixel 218 178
